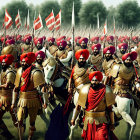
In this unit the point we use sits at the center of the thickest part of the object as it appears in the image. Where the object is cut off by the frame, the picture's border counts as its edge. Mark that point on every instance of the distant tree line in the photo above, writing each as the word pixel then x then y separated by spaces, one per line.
pixel 126 14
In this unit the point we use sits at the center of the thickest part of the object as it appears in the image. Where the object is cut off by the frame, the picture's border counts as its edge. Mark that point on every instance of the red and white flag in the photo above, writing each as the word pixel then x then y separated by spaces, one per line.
pixel 58 21
pixel 105 28
pixel 28 20
pixel 38 23
pixel 8 20
pixel 50 21
pixel 18 21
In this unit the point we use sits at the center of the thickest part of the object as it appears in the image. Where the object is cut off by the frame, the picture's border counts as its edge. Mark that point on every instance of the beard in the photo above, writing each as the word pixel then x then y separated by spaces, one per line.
pixel 84 46
pixel 95 53
pixel 122 52
pixel 39 61
pixel 4 67
pixel 81 64
pixel 50 44
pixel 95 86
pixel 39 47
pixel 24 67
pixel 61 48
pixel 128 64
pixel 27 43
pixel 108 58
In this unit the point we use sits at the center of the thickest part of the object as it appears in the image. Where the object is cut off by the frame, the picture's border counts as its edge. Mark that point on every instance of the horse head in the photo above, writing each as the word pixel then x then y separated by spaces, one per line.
pixel 49 66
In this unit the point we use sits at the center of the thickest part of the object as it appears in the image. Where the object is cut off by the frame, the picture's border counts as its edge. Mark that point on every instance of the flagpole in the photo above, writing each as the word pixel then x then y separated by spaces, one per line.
pixel 73 24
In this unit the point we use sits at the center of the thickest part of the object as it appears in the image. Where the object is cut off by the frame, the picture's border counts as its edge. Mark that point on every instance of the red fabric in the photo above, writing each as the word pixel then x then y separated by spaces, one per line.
pixel 63 43
pixel 26 76
pixel 8 59
pixel 110 38
pixel 77 39
pixel 110 48
pixel 44 37
pixel 95 97
pixel 135 38
pixel 51 39
pixel 94 38
pixel 124 45
pixel 18 37
pixel 97 74
pixel 69 38
pixel 29 57
pixel 83 52
pixel 85 40
pixel 10 42
pixel 96 132
pixel 40 40
pixel 123 39
pixel 98 46
pixel 132 55
pixel 27 37
pixel 102 38
pixel 41 53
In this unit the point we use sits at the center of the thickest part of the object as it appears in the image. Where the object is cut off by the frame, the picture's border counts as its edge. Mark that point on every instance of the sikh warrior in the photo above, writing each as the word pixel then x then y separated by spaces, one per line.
pixel 124 78
pixel 83 44
pixel 123 48
pixel 38 44
pixel 26 47
pixel 96 58
pixel 108 62
pixel 10 48
pixel 7 84
pixel 28 79
pixel 40 56
pixel 96 99
pixel 110 41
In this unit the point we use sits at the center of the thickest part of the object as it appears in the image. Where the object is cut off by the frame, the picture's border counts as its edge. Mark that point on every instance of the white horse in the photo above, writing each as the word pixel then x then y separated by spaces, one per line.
pixel 127 110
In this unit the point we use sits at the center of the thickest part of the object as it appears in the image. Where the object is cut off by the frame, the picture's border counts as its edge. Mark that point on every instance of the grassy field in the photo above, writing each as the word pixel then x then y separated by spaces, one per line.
pixel 41 128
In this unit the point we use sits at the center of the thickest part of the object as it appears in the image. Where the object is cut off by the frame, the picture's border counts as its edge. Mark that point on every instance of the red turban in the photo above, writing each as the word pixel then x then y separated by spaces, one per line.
pixel 27 37
pixel 69 38
pixel 83 39
pixel 94 38
pixel 132 55
pixel 123 39
pixel 102 38
pixel 77 39
pixel 41 53
pixel 10 42
pixel 8 59
pixel 18 37
pixel 29 57
pixel 51 39
pixel 124 45
pixel 2 39
pixel 109 48
pixel 97 74
pixel 44 37
pixel 83 52
pixel 98 46
pixel 63 43
pixel 134 38
pixel 110 38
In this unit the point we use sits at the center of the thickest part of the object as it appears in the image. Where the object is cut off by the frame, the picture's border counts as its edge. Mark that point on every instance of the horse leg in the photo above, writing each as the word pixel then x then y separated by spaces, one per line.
pixel 133 113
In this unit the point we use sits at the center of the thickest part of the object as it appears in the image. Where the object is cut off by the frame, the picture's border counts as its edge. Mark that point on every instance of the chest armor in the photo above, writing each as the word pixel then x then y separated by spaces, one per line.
pixel 26 48
pixel 97 61
pixel 107 65
pixel 53 49
pixel 80 76
pixel 61 54
pixel 125 75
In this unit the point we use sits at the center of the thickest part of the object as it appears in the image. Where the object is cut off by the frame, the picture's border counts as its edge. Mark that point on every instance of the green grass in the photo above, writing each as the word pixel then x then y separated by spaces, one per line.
pixel 41 129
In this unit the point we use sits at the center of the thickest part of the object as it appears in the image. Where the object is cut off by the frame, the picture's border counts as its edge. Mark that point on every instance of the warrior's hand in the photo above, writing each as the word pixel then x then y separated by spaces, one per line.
pixel 70 90
pixel 12 107
pixel 112 127
pixel 45 106
pixel 72 122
